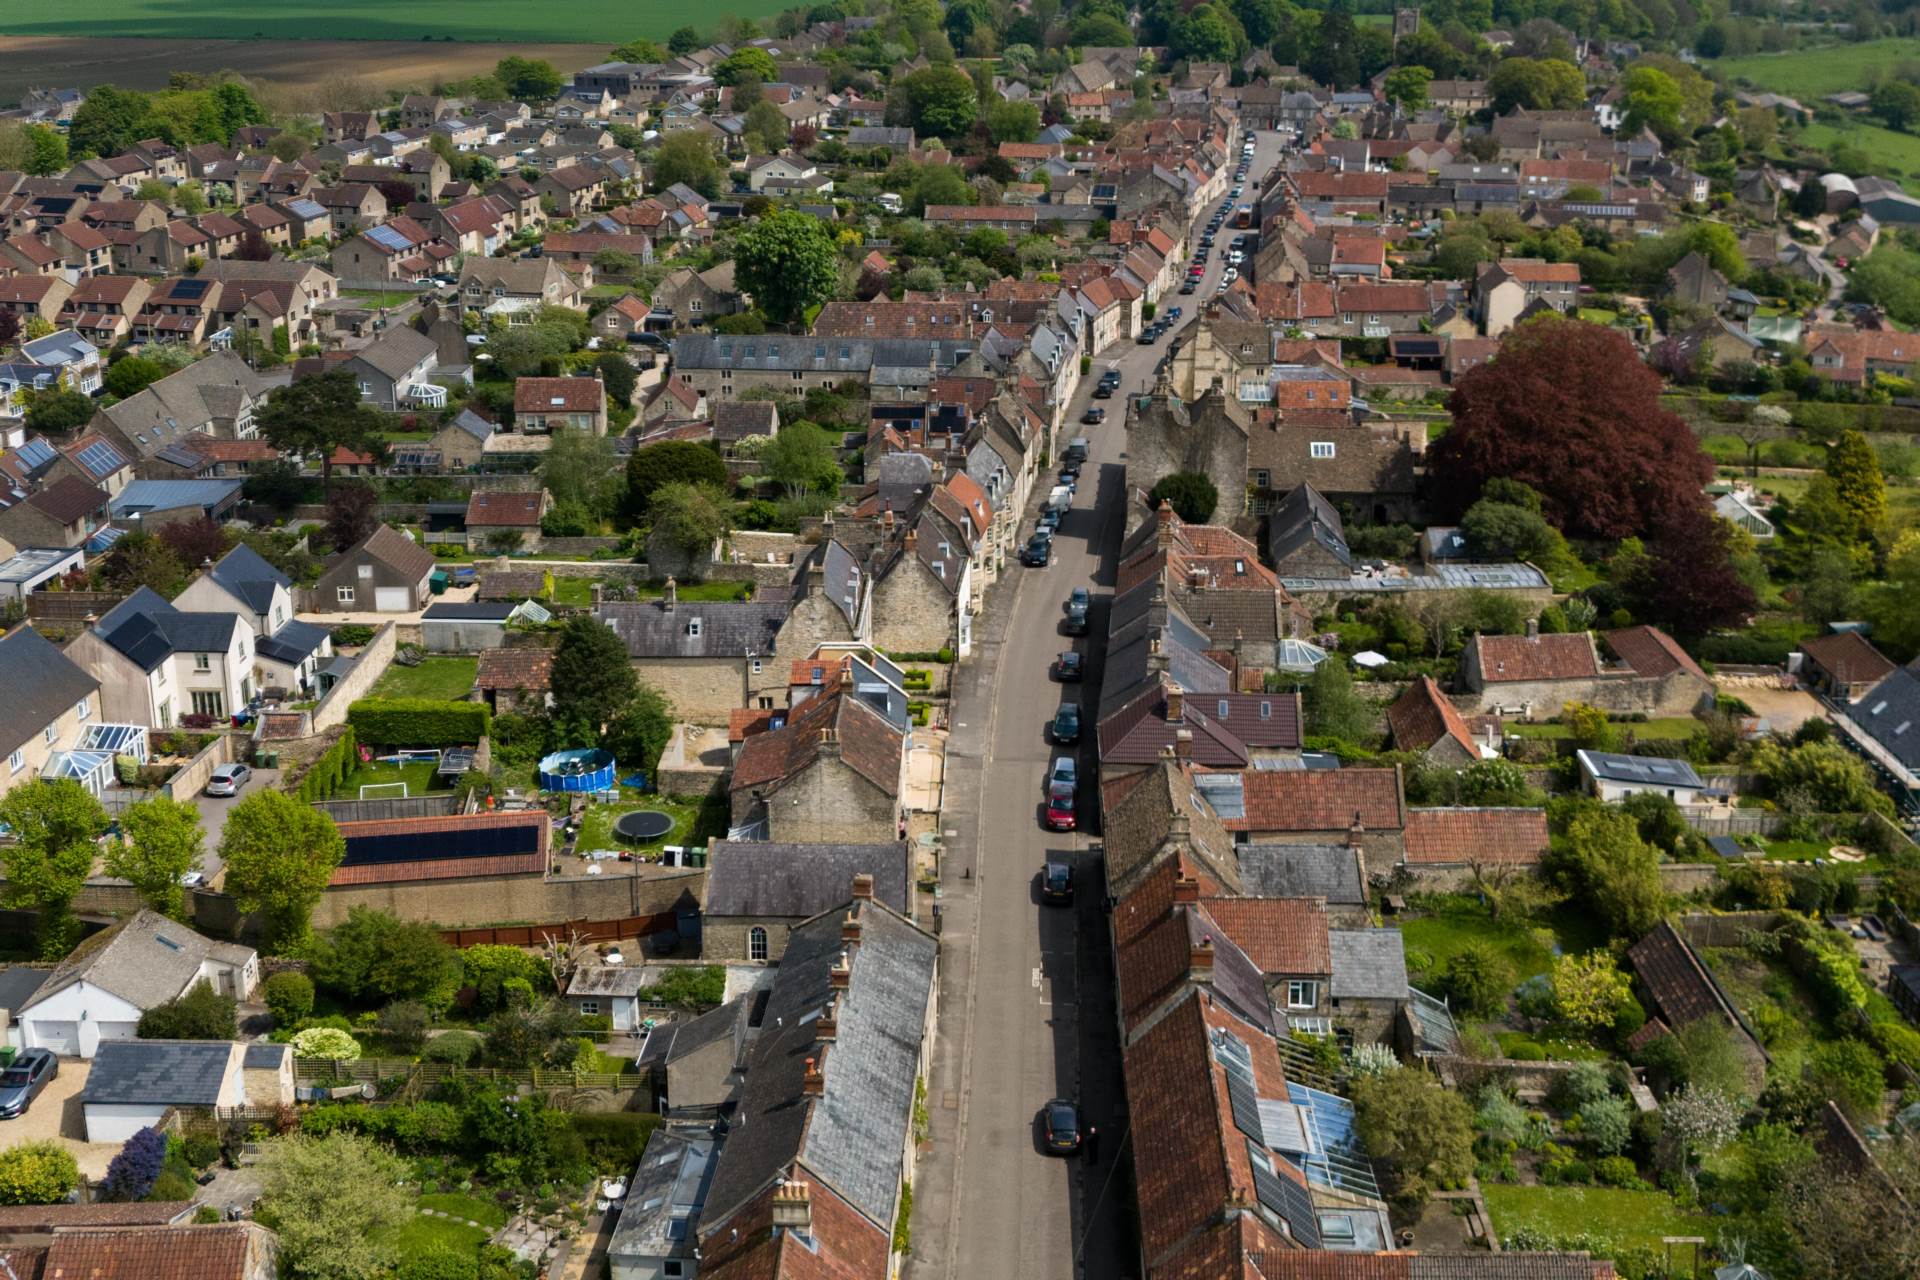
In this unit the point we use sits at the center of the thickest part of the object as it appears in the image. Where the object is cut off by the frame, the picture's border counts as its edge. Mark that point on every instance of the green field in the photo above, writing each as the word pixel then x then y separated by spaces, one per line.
pixel 446 678
pixel 593 21
pixel 1895 151
pixel 1811 74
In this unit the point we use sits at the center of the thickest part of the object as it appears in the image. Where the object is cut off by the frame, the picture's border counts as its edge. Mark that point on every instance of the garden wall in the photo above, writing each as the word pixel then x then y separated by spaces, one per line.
pixel 1726 930
pixel 1689 877
pixel 625 570
pixel 1525 1079
pixel 331 711
pixel 472 903
pixel 185 784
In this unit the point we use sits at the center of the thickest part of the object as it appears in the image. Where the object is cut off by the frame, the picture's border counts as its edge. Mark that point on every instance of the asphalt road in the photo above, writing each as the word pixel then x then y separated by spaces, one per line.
pixel 1028 995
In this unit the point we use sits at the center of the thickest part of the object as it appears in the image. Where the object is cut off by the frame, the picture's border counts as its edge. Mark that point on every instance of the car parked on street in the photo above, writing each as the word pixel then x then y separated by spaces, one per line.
pixel 1038 553
pixel 1060 814
pixel 1069 667
pixel 1065 729
pixel 1094 415
pixel 23 1080
pixel 1060 1120
pixel 227 779
pixel 1056 884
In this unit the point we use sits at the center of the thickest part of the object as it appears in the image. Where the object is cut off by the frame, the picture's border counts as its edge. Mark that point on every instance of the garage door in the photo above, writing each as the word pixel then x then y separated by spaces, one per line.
pixel 391 599
pixel 117 1030
pixel 61 1037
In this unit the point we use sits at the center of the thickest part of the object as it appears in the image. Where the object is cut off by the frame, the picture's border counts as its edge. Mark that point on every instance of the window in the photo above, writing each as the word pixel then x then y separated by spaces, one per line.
pixel 1263 479
pixel 589 1007
pixel 693 305
pixel 208 702
pixel 17 761
pixel 83 709
pixel 693 628
pixel 670 1268
pixel 755 666
pixel 756 943
pixel 1311 1026
pixel 766 704
pixel 1320 449
pixel 202 662
pixel 46 735
pixel 344 595
pixel 1302 994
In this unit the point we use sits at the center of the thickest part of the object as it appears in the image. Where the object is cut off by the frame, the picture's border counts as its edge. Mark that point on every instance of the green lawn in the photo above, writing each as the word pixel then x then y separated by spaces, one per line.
pixel 418 777
pixel 1558 1049
pixel 592 21
pixel 698 590
pixel 421 1235
pixel 490 1213
pixel 446 678
pixel 1626 1218
pixel 1678 728
pixel 573 591
pixel 596 828
pixel 1811 74
pixel 379 297
pixel 1459 922
pixel 1899 151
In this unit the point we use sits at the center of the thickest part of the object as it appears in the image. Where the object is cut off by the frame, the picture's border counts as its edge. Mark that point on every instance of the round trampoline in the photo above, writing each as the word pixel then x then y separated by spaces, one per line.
pixel 586 770
pixel 642 825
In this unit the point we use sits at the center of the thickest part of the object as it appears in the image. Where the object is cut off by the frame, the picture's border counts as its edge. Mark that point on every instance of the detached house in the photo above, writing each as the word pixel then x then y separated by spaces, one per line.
pixel 834 773
pixel 386 572
pixel 515 287
pixel 64 513
pixel 49 700
pixel 560 404
pixel 1503 290
pixel 158 664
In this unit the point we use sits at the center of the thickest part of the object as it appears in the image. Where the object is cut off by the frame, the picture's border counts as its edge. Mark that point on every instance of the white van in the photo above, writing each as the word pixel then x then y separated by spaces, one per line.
pixel 891 202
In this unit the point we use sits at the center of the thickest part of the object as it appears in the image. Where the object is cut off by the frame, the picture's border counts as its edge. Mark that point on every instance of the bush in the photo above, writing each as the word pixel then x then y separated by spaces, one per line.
pixel 404 1024
pixel 615 1140
pixel 37 1173
pixel 486 967
pixel 1586 1083
pixel 326 1042
pixel 418 722
pixel 173 1185
pixel 352 633
pixel 327 773
pixel 456 1048
pixel 1478 979
pixel 1850 1073
pixel 1616 1171
pixel 1608 1124
pixel 201 1014
pixel 200 1150
pixel 289 997
pixel 139 1163
pixel 1526 1051
pixel 1500 1118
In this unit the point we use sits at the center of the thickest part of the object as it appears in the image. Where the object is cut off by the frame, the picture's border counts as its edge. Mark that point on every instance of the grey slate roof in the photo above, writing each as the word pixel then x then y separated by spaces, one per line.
pixel 849 356
pixel 18 983
pixel 262 1055
pixel 1304 516
pixel 246 575
pixel 840 578
pixel 853 1136
pixel 293 643
pixel 664 1196
pixel 146 960
pixel 1329 871
pixel 474 425
pixel 146 629
pixel 749 878
pixel 726 628
pixel 1368 963
pixel 673 1041
pixel 903 477
pixel 166 495
pixel 1890 713
pixel 41 685
pixel 397 350
pixel 173 1072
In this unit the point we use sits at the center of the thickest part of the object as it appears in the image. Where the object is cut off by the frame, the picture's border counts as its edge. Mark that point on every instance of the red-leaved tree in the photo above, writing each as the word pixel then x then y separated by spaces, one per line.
pixel 196 541
pixel 1570 409
pixel 1688 583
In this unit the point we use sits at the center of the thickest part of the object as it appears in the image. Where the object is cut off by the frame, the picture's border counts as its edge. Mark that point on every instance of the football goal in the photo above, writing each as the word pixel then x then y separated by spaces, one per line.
pixel 382 790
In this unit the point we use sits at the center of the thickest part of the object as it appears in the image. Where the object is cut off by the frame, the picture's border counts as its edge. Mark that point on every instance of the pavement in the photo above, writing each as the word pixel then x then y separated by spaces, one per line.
pixel 1026 999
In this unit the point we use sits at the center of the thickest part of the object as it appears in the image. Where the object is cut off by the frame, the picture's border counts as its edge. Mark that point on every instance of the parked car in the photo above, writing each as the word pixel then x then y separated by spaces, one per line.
pixel 227 779
pixel 23 1080
pixel 1048 524
pixel 1065 728
pixel 1187 288
pixel 1061 1120
pixel 1094 415
pixel 1038 553
pixel 1069 668
pixel 1173 313
pixel 1103 390
pixel 1075 623
pixel 1060 814
pixel 1064 777
pixel 1056 884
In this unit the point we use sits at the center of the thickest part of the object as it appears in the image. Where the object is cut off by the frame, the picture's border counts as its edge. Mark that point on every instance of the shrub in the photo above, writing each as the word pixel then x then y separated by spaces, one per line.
pixel 173 1185
pixel 326 774
pixel 1585 1083
pixel 1616 1171
pixel 1477 978
pixel 1608 1123
pixel 418 722
pixel 352 633
pixel 615 1140
pixel 200 1150
pixel 289 997
pixel 1526 1051
pixel 1899 1043
pixel 201 1014
pixel 1851 1073
pixel 133 1171
pixel 404 1024
pixel 457 1048
pixel 37 1173
pixel 1500 1118
pixel 326 1042
pixel 485 967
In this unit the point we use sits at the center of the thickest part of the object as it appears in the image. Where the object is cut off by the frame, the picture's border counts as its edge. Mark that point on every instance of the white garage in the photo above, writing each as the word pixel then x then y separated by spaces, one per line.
pixel 133 1082
pixel 392 599
pixel 58 1034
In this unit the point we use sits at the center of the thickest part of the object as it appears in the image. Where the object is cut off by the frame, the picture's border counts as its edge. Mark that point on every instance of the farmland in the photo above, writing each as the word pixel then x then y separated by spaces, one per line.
pixel 1811 74
pixel 602 22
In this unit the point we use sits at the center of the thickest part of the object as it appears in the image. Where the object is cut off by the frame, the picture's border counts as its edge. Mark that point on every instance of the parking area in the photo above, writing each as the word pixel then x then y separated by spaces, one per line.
pixel 56 1115
pixel 213 817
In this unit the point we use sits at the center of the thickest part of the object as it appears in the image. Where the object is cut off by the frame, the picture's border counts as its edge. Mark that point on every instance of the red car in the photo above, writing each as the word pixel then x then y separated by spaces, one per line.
pixel 1060 815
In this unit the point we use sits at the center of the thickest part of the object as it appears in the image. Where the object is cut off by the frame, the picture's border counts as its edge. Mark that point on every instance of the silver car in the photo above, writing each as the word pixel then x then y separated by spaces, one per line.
pixel 227 779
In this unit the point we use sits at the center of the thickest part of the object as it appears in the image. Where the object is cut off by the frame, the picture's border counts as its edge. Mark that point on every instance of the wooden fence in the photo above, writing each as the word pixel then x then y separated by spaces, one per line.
pixel 70 606
pixel 322 1071
pixel 529 935
pixel 1741 822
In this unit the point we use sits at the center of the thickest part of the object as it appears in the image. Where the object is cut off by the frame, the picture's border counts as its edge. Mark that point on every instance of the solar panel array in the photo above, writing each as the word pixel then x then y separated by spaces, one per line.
pixel 36 453
pixel 101 458
pixel 1285 1197
pixel 189 288
pixel 388 238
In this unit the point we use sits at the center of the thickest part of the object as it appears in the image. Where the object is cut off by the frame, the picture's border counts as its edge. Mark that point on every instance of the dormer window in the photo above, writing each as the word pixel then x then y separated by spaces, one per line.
pixel 693 627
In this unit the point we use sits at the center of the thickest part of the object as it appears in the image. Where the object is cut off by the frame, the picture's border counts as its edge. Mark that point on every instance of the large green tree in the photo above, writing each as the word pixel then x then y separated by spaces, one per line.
pixel 1422 1130
pixel 529 78
pixel 786 261
pixel 687 157
pixel 161 843
pixel 593 681
pixel 279 855
pixel 375 956
pixel 940 102
pixel 1612 873
pixel 1538 84
pixel 109 121
pixel 336 1203
pixel 1855 469
pixel 56 828
pixel 320 413
pixel 57 410
pixel 751 63
pixel 802 459
pixel 671 462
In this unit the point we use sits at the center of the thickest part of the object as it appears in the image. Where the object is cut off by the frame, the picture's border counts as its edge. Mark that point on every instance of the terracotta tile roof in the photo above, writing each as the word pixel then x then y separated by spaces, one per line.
pixel 1320 800
pixel 489 508
pixel 1152 898
pixel 868 744
pixel 1339 185
pixel 744 722
pixel 1305 1264
pixel 24 1218
pixel 530 669
pixel 1375 299
pixel 1280 935
pixel 215 1252
pixel 1550 657
pixel 564 395
pixel 1532 271
pixel 1652 652
pixel 1514 837
pixel 845 1245
pixel 1423 715
pixel 1848 656
pixel 1241 1248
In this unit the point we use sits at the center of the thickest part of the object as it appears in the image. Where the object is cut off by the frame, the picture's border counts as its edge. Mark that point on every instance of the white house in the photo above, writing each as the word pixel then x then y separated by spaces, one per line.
pixel 288 651
pixel 156 663
pixel 98 993
pixel 133 1082
pixel 1613 777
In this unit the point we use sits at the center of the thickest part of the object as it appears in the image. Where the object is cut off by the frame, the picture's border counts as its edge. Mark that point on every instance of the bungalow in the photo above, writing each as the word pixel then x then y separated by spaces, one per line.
pixel 497 519
pixel 1612 777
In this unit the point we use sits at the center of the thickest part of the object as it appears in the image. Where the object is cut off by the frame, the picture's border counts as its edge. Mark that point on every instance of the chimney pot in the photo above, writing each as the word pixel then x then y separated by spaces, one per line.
pixel 673 594
pixel 841 974
pixel 850 928
pixel 863 886
pixel 1201 955
pixel 1183 745
pixel 814 1083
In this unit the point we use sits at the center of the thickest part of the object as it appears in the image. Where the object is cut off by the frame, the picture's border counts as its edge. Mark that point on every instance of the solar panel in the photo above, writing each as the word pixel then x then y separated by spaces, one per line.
pixel 1284 1197
pixel 36 453
pixel 388 238
pixel 1234 1056
pixel 189 288
pixel 101 458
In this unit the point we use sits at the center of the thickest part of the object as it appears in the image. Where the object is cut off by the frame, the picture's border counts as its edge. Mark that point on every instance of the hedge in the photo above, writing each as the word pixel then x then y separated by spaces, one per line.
pixel 419 722
pixel 330 770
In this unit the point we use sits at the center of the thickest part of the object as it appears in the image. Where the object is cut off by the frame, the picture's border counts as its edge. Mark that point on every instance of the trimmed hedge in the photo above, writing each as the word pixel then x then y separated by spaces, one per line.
pixel 330 770
pixel 419 722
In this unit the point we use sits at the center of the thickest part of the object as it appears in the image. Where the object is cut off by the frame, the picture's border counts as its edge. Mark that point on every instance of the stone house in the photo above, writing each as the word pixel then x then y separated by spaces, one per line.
pixel 923 590
pixel 498 519
pixel 1505 289
pixel 34 297
pixel 157 664
pixel 757 892
pixel 1214 576
pixel 696 297
pixel 709 657
pixel 1364 809
pixel 529 282
pixel 547 405
pixel 574 189
pixel 1537 675
pixel 514 680
pixel 459 445
pixel 834 773
pixel 1424 719
pixel 393 371
pixel 64 513
pixel 51 698
pixel 1678 990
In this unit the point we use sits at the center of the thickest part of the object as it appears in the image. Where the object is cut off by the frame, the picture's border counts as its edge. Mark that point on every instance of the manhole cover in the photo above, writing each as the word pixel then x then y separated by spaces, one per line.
pixel 642 825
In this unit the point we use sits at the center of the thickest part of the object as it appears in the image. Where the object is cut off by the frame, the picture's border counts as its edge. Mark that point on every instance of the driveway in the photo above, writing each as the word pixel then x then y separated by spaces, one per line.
pixel 56 1116
pixel 213 818
pixel 1785 710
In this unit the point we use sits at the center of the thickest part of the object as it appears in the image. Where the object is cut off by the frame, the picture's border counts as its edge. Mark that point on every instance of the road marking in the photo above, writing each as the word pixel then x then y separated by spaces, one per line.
pixel 1036 977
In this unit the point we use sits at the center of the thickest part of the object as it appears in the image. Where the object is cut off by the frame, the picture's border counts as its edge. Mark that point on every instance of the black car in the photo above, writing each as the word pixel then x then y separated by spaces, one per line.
pixel 1075 623
pixel 1066 724
pixel 1056 884
pixel 1039 550
pixel 1069 668
pixel 23 1080
pixel 1188 288
pixel 1061 1120
pixel 1146 338
pixel 1094 416
pixel 1103 390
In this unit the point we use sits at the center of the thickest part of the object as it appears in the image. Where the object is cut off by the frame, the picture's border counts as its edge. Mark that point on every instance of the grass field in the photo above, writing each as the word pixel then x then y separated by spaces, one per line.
pixel 1669 728
pixel 1811 74
pixel 489 1213
pixel 421 1235
pixel 450 679
pixel 1623 1217
pixel 604 22
pixel 418 777
pixel 1899 151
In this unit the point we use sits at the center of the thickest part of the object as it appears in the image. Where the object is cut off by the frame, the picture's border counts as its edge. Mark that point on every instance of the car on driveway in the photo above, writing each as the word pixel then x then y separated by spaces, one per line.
pixel 23 1080
pixel 1069 668
pixel 1056 884
pixel 1065 728
pixel 1094 415
pixel 1061 1121
pixel 227 779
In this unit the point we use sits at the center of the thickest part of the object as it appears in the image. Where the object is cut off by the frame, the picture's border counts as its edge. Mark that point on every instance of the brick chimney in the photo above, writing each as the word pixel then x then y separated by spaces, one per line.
pixel 850 930
pixel 793 1207
pixel 841 974
pixel 672 600
pixel 1183 746
pixel 1356 834
pixel 863 887
pixel 816 578
pixel 814 1083
pixel 1164 518
pixel 827 1025
pixel 911 541
pixel 1200 959
pixel 829 743
pixel 886 519
pixel 1176 704
pixel 1185 888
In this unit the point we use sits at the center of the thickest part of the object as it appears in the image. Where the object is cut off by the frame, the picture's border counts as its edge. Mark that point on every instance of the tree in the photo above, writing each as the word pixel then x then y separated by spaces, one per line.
pixel 1504 531
pixel 46 150
pixel 939 185
pixel 374 956
pixel 1688 581
pixel 1852 1074
pixel 1477 979
pixel 671 462
pixel 1699 1120
pixel 132 375
pixel 277 484
pixel 320 413
pixel 751 63
pixel 1570 410
pixel 684 40
pixel 58 410
pixel 1652 101
pixel 110 121
pixel 593 681
pixel 1588 727
pixel 161 843
pixel 1333 709
pixel 1203 35
pixel 289 996
pixel 765 129
pixel 787 262
pixel 55 825
pixel 687 157
pixel 1897 102
pixel 1013 121
pixel 141 560
pixel 1408 87
pixel 1817 777
pixel 1332 56
pixel 351 514
pixel 1717 243
pixel 1191 494
pixel 37 1173
pixel 529 78
pixel 279 855
pixel 1538 84
pixel 1844 1222
pixel 640 51
pixel 1589 990
pixel 802 459
pixel 940 101
pixel 686 522
pixel 1423 1131
pixel 1855 469
pixel 138 1165
pixel 641 732
pixel 336 1202
pixel 1611 870
pixel 201 1013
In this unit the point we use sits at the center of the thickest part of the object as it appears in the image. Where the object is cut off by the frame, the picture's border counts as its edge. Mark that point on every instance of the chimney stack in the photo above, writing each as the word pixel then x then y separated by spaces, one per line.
pixel 1164 517
pixel 827 1026
pixel 816 578
pixel 1179 829
pixel 911 541
pixel 1357 832
pixel 1176 704
pixel 1185 888
pixel 1533 628
pixel 673 594
pixel 829 743
pixel 886 519
pixel 1183 745
pixel 841 974
pixel 1200 959
pixel 814 1083
pixel 793 1207
pixel 850 930
pixel 863 887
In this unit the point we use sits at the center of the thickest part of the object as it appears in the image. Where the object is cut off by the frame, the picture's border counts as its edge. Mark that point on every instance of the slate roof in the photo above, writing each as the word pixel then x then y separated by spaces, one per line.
pixel 609 980
pixel 1652 652
pixel 145 960
pixel 42 684
pixel 1224 726
pixel 852 1137
pixel 669 1042
pixel 293 643
pixel 18 983
pixel 397 350
pixel 1549 657
pixel 765 880
pixel 1321 800
pixel 147 630
pixel 1508 836
pixel 397 551
pixel 1889 713
pixel 186 1073
pixel 869 745
pixel 668 1187
pixel 1303 517
pixel 1848 657
pixel 1330 871
pixel 840 578
pixel 1653 771
pixel 1423 715
pixel 245 574
pixel 1368 964
pixel 696 629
